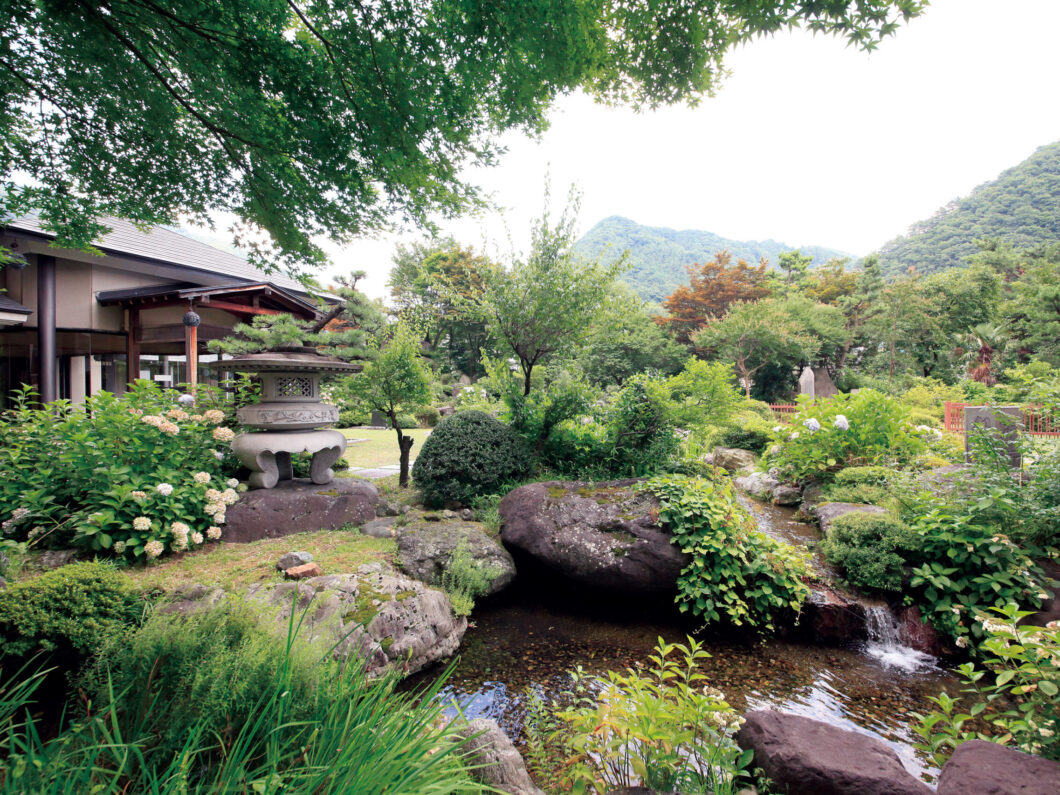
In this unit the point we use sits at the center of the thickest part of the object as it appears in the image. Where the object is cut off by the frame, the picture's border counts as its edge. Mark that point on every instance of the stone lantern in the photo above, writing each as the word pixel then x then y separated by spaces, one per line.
pixel 290 418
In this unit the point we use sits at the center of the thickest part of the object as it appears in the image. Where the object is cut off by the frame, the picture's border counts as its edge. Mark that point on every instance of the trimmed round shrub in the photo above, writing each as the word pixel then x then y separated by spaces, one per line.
pixel 469 454
pixel 351 418
pixel 869 476
pixel 870 549
pixel 406 421
pixel 747 431
pixel 73 609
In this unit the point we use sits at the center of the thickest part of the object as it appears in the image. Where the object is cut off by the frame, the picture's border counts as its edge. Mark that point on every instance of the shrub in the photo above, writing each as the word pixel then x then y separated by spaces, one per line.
pixel 640 435
pixel 1016 691
pixel 661 729
pixel 867 428
pixel 209 669
pixel 962 568
pixel 126 476
pixel 748 431
pixel 736 573
pixel 857 476
pixel 467 455
pixel 870 550
pixel 428 417
pixel 704 392
pixel 302 464
pixel 405 421
pixel 73 609
pixel 355 734
pixel 465 579
pixel 578 449
pixel 350 418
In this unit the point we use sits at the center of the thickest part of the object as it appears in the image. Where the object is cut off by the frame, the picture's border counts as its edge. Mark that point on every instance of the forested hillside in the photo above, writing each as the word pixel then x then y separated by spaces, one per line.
pixel 1022 207
pixel 659 256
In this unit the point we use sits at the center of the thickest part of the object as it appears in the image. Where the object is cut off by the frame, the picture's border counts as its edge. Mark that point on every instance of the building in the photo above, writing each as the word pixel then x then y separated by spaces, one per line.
pixel 73 323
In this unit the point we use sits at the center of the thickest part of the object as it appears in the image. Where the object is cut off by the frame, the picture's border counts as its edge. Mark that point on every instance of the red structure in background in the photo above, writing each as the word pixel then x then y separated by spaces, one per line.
pixel 1036 421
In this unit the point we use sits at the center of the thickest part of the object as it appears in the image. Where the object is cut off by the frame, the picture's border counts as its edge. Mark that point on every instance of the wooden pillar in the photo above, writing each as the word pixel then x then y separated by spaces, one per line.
pixel 191 345
pixel 132 346
pixel 46 347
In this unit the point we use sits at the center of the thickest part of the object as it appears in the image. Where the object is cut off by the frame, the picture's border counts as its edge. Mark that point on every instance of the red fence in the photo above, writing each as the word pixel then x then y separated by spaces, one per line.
pixel 1036 421
pixel 784 412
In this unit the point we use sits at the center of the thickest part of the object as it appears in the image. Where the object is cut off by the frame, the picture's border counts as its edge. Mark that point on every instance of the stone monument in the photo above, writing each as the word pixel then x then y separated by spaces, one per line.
pixel 290 417
pixel 1004 422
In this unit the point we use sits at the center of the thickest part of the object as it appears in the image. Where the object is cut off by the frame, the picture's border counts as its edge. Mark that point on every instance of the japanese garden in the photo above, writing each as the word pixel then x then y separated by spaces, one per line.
pixel 635 510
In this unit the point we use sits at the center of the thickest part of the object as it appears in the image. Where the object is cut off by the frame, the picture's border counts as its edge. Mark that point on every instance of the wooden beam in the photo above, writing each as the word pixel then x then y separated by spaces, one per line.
pixel 243 309
pixel 132 345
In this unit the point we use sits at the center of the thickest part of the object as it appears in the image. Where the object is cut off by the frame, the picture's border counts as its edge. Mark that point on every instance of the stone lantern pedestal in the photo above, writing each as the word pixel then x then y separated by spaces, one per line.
pixel 290 416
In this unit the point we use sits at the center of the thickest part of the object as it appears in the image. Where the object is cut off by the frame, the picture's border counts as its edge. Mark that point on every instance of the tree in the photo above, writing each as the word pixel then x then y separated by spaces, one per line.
pixel 396 382
pixel 985 342
pixel 545 304
pixel 713 287
pixel 795 267
pixel 435 284
pixel 754 334
pixel 327 118
pixel 624 341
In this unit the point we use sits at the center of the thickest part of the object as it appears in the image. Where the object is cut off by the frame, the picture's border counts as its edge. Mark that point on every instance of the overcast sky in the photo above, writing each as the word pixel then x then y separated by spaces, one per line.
pixel 808 141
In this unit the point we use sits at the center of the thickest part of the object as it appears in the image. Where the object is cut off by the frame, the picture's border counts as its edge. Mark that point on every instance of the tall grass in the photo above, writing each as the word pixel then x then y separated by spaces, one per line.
pixel 357 735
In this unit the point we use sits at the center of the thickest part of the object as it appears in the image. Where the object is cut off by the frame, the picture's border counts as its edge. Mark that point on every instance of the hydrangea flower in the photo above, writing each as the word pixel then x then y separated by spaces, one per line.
pixel 216 416
pixel 153 549
pixel 232 482
pixel 196 538
pixel 213 533
pixel 152 419
pixel 186 399
pixel 214 508
pixel 164 489
pixel 841 422
pixel 169 427
pixel 119 547
pixel 141 523
pixel 813 425
pixel 778 428
pixel 201 477
pixel 229 496
pixel 213 495
pixel 218 455
pixel 223 434
pixel 177 414
pixel 140 495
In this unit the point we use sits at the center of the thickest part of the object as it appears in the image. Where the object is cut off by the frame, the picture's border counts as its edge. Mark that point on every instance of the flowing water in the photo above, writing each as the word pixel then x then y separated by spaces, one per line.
pixel 536 633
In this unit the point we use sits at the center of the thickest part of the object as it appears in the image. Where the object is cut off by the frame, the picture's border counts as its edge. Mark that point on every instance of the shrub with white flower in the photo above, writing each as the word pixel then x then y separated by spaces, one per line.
pixel 196 538
pixel 232 483
pixel 116 477
pixel 213 533
pixel 186 399
pixel 223 434
pixel 841 422
pixel 812 425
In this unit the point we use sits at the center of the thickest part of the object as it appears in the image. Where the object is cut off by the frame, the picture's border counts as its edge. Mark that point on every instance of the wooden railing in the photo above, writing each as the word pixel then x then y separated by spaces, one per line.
pixel 1036 421
pixel 784 412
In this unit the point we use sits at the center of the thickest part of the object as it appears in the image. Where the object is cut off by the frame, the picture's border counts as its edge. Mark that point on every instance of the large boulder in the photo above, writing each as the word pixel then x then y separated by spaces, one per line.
pixel 425 550
pixel 830 616
pixel 493 760
pixel 388 620
pixel 604 535
pixel 787 494
pixel 759 485
pixel 299 506
pixel 830 511
pixel 733 459
pixel 803 756
pixel 979 767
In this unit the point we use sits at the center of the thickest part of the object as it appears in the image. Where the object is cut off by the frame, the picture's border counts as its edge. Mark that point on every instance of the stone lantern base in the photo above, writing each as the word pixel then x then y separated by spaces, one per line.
pixel 267 454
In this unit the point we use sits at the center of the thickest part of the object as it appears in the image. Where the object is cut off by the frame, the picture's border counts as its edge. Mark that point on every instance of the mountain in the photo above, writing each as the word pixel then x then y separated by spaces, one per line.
pixel 1021 206
pixel 659 255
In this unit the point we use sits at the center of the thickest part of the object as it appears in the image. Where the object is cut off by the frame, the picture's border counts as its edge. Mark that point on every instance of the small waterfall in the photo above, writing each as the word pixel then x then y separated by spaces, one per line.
pixel 885 641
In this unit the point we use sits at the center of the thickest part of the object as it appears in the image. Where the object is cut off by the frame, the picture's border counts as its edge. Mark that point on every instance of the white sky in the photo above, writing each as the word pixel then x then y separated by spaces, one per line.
pixel 808 142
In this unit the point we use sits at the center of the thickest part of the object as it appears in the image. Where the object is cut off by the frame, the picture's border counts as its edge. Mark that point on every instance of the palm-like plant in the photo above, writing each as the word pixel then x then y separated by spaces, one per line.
pixel 985 343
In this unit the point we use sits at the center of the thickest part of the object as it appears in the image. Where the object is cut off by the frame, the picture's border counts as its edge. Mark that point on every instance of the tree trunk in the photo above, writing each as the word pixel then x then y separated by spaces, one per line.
pixel 405 446
pixel 527 369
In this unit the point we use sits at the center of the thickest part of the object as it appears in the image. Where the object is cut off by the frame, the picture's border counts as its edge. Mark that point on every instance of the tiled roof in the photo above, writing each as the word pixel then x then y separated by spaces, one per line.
pixel 7 305
pixel 169 247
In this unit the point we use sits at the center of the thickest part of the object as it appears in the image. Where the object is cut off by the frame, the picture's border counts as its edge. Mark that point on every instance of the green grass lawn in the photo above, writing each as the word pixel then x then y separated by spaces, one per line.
pixel 380 448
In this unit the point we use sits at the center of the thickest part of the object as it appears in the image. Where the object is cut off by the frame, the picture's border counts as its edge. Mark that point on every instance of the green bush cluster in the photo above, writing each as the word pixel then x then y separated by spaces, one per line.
pixel 210 669
pixel 131 476
pixel 352 418
pixel 428 417
pixel 465 579
pixel 747 430
pixel 73 610
pixel 736 573
pixel 848 430
pixel 469 454
pixel 220 704
pixel 870 550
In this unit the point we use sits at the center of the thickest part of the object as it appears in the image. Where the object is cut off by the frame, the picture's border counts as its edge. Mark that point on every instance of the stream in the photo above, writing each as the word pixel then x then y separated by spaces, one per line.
pixel 540 629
